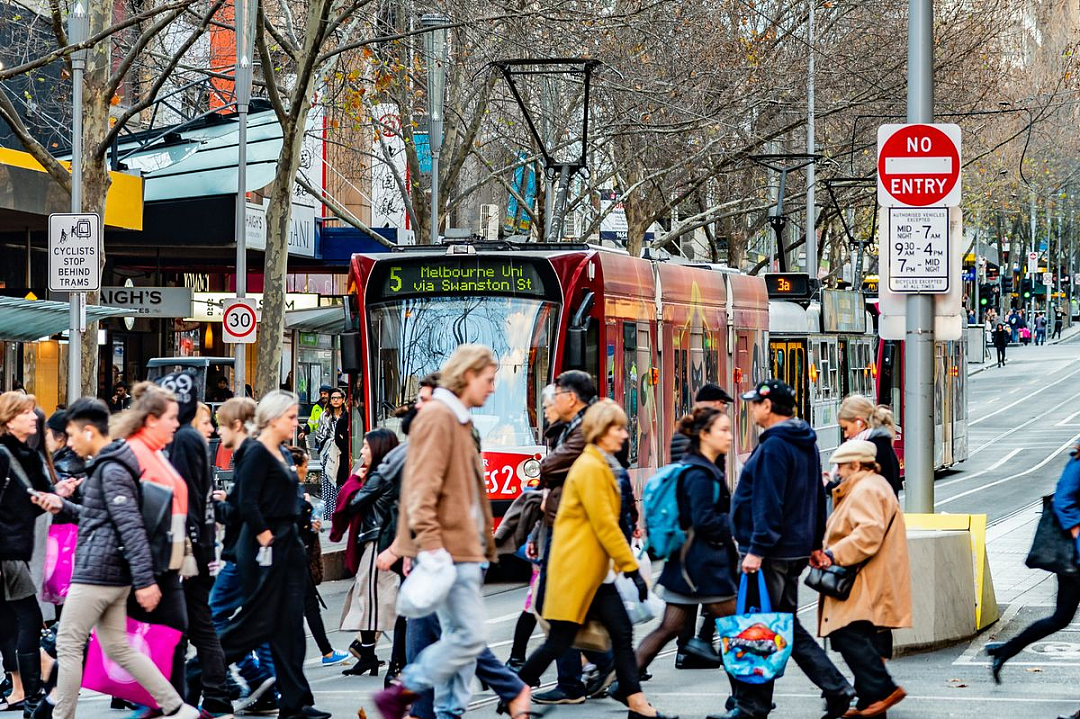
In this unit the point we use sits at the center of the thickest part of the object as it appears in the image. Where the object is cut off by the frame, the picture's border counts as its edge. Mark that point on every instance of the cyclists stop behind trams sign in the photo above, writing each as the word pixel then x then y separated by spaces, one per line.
pixel 918 180
pixel 238 321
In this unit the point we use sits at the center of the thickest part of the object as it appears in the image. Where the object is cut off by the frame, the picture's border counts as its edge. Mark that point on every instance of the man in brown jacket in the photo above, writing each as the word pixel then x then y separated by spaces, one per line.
pixel 445 510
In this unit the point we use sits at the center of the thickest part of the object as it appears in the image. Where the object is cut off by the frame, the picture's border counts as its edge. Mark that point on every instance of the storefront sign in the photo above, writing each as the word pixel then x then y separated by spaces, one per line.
pixel 150 302
pixel 301 228
pixel 210 306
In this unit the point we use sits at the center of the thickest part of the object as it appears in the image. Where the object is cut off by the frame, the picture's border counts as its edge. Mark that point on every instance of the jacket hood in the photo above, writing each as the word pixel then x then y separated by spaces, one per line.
pixel 118 451
pixel 796 431
pixel 699 460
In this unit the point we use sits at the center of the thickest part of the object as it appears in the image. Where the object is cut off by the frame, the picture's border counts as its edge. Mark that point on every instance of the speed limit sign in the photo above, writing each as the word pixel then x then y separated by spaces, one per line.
pixel 238 321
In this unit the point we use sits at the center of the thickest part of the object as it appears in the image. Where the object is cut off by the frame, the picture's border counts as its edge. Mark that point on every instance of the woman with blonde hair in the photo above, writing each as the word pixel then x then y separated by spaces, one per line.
pixel 860 418
pixel 270 556
pixel 22 468
pixel 586 545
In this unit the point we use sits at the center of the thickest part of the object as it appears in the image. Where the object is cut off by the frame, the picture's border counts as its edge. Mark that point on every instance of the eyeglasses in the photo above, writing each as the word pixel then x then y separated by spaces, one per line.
pixel 337 397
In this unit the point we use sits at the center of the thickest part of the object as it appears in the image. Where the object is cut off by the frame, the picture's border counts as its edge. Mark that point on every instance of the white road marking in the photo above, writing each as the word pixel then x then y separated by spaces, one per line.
pixel 1068 421
pixel 981 472
pixel 1040 465
pixel 1007 407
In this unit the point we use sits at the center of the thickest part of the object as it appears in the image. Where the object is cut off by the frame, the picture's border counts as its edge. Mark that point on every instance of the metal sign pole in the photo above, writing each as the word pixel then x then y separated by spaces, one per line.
pixel 812 262
pixel 918 419
pixel 78 29
pixel 244 57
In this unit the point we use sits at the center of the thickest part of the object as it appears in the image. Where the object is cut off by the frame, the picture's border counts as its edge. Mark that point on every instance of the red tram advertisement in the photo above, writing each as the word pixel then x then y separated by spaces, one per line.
pixel 649 332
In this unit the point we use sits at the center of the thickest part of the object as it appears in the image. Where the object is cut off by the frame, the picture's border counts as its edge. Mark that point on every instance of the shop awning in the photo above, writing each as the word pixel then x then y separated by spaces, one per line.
pixel 29 320
pixel 28 195
pixel 320 320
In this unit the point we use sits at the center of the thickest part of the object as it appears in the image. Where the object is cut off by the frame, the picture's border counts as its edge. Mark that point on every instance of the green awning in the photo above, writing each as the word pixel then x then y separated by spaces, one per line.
pixel 29 320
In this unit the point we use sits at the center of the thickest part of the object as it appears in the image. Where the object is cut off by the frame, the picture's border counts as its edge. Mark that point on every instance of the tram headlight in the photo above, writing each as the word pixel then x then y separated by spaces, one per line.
pixel 531 468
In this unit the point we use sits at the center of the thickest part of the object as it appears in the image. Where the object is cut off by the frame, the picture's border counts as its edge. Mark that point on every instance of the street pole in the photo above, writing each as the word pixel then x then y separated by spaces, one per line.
pixel 436 51
pixel 78 31
pixel 1027 304
pixel 919 335
pixel 244 57
pixel 811 209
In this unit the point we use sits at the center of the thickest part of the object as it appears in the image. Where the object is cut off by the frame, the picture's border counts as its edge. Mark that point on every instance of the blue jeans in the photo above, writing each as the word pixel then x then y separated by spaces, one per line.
pixel 425 631
pixel 449 665
pixel 226 597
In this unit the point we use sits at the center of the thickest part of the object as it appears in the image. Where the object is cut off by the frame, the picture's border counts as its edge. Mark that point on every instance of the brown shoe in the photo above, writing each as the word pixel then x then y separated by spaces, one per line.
pixel 879 707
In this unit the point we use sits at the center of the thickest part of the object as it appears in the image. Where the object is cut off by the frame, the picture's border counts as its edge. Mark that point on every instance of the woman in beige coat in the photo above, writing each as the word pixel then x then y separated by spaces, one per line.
pixel 866 531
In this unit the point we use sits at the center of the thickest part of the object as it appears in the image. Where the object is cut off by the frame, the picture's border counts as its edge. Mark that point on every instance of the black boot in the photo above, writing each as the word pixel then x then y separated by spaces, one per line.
pixel 366 663
pixel 392 672
pixel 30 673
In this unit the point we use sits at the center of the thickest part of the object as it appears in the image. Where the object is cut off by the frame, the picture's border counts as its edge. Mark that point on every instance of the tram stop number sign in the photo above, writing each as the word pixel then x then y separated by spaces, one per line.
pixel 238 321
pixel 918 181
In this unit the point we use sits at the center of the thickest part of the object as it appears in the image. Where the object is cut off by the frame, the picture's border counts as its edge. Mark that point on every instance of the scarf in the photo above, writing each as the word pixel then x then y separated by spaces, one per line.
pixel 157 469
pixel 342 524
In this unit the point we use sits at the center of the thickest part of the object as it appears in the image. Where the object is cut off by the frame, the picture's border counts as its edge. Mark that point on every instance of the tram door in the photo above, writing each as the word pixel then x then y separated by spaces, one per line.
pixel 788 359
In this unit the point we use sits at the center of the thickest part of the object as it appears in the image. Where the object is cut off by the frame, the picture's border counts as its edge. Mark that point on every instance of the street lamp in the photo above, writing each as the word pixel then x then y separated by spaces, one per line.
pixel 78 32
pixel 245 41
pixel 436 54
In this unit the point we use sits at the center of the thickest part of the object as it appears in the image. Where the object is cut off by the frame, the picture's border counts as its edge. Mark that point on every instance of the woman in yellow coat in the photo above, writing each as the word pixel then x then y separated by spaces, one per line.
pixel 587 548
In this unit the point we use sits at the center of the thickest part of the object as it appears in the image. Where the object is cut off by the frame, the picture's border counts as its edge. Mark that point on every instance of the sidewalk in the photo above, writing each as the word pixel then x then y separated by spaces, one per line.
pixel 1066 335
pixel 1007 546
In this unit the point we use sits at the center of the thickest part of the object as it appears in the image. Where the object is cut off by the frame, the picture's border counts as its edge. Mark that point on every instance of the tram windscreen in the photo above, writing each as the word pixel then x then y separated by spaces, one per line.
pixel 411 338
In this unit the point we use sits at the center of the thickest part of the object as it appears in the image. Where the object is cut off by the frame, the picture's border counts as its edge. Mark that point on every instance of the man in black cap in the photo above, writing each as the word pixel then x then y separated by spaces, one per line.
pixel 710 395
pixel 778 513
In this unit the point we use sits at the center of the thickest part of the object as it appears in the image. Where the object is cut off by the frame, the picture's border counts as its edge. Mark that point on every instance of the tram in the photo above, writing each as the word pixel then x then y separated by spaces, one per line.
pixel 822 344
pixel 950 397
pixel 650 333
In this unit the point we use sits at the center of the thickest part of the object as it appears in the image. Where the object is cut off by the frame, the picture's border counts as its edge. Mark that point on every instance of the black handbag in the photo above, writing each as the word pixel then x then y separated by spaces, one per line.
pixel 1054 548
pixel 836 581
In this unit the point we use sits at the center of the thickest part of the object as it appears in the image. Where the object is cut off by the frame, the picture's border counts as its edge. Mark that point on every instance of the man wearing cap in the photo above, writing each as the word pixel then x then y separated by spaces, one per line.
pixel 778 514
pixel 710 395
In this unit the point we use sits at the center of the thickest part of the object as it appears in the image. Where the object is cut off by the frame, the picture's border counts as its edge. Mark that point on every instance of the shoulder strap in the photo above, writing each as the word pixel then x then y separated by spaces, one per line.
pixel 15 468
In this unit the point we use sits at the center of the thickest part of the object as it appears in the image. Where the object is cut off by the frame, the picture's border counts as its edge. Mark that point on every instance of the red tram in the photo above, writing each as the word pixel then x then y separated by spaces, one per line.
pixel 650 333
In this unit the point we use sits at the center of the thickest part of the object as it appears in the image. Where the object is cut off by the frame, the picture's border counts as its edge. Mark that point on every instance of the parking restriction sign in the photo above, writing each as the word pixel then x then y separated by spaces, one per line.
pixel 238 321
pixel 919 249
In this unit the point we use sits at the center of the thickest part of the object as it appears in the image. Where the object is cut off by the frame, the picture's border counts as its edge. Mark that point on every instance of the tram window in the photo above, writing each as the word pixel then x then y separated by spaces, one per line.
pixel 610 359
pixel 712 354
pixel 630 385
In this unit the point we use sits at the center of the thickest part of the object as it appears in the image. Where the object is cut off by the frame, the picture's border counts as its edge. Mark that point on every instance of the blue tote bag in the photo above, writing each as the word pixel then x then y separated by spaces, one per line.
pixel 755 644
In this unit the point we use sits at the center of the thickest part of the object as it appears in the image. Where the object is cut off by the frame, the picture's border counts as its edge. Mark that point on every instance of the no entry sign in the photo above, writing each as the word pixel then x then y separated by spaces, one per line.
pixel 919 165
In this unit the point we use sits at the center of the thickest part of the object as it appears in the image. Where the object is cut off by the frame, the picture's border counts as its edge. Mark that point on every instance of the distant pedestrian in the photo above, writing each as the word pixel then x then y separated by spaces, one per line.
pixel 1067 509
pixel 1040 329
pixel 589 545
pixel 121 400
pixel 1001 341
pixel 778 513
pixel 860 418
pixel 1013 321
pixel 332 440
pixel 866 532
pixel 710 395
pixel 1059 321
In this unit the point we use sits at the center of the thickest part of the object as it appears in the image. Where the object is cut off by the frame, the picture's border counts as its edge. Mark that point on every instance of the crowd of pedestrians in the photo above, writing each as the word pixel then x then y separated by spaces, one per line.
pixel 139 486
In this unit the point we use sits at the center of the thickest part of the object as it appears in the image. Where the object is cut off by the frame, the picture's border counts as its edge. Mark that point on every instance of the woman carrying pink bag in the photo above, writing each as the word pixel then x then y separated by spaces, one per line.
pixel 112 557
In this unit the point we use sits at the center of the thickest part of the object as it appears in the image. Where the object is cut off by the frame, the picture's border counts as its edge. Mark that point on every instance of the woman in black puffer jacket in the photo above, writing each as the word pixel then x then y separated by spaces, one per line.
pixel 21 469
pixel 704 572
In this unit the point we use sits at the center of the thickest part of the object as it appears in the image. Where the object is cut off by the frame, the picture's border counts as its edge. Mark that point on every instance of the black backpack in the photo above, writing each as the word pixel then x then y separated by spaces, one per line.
pixel 155 505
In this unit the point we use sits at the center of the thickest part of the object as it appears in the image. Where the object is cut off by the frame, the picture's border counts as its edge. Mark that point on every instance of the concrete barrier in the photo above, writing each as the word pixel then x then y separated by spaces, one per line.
pixel 942 591
pixel 333 561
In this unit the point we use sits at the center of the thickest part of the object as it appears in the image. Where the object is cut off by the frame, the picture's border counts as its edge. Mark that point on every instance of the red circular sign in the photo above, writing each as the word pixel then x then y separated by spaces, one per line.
pixel 239 320
pixel 919 165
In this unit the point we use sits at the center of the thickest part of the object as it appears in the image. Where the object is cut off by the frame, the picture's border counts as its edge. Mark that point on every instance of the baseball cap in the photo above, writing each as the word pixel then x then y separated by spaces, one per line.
pixel 712 392
pixel 772 389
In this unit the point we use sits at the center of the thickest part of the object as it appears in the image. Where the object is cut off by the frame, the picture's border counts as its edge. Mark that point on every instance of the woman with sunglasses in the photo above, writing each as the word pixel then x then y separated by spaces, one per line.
pixel 332 439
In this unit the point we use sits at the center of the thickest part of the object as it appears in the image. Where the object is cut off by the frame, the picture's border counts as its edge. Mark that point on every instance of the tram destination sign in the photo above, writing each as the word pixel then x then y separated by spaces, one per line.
pixel 476 276
pixel 919 250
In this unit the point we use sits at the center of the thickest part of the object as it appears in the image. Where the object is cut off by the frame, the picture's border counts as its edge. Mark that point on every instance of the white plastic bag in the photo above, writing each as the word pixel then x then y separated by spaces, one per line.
pixel 426 587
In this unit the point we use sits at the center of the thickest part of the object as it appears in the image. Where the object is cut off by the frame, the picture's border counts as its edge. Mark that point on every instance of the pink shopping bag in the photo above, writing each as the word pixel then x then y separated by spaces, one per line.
pixel 59 562
pixel 106 676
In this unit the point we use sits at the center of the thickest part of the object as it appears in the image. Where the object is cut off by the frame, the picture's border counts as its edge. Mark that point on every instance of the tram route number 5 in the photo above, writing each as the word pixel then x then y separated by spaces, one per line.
pixel 919 249
pixel 238 321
